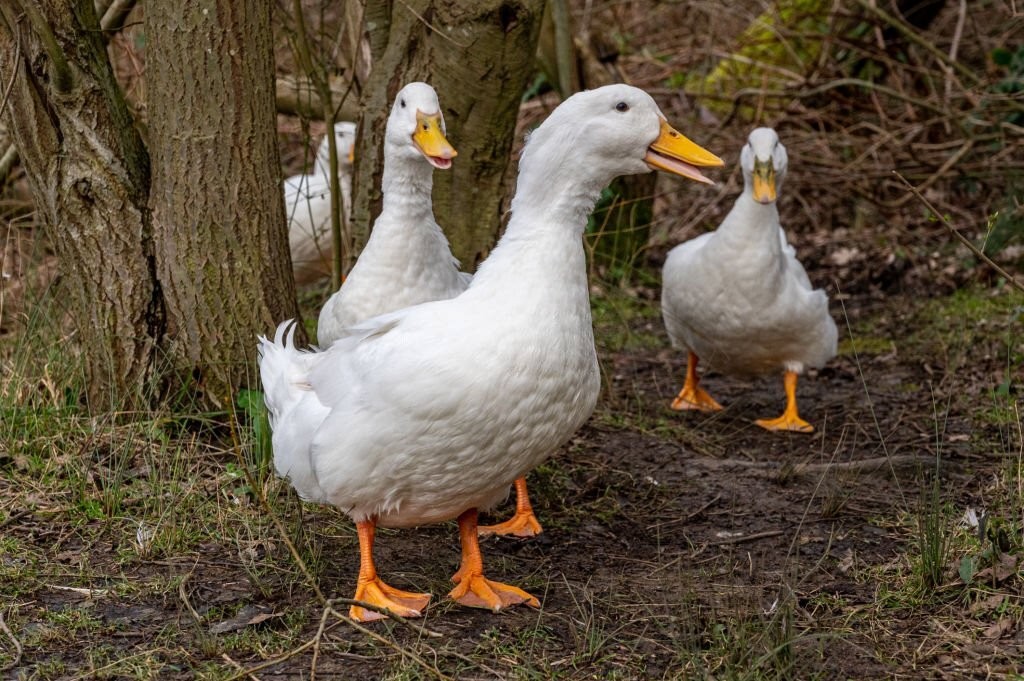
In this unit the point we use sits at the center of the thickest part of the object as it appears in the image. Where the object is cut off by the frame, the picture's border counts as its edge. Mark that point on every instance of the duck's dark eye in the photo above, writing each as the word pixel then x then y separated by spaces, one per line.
pixel 622 107
pixel 426 127
pixel 402 103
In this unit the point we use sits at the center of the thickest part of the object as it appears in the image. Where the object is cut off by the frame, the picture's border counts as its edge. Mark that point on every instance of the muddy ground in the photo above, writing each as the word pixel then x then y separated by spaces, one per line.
pixel 675 545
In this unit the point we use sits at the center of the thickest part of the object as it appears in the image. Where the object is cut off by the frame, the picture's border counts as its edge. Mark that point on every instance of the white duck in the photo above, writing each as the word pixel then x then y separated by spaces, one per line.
pixel 739 299
pixel 407 260
pixel 307 201
pixel 430 412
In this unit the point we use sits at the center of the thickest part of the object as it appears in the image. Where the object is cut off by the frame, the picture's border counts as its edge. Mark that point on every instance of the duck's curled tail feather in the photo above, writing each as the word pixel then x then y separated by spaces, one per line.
pixel 294 409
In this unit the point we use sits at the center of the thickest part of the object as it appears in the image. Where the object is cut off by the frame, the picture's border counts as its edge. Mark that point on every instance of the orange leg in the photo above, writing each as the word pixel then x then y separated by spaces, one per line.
pixel 370 588
pixel 523 524
pixel 692 396
pixel 473 588
pixel 790 419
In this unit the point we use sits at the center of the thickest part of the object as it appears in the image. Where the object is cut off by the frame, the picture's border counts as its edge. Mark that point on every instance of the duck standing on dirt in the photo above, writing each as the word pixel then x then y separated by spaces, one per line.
pixel 431 412
pixel 407 260
pixel 307 203
pixel 739 299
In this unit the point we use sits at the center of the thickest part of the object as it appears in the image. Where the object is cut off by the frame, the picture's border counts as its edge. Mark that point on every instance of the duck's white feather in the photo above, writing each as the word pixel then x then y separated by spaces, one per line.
pixel 741 301
pixel 418 415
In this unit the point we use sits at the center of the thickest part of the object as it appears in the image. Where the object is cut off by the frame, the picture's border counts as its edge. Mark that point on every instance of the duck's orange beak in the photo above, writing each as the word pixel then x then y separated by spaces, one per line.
pixel 674 153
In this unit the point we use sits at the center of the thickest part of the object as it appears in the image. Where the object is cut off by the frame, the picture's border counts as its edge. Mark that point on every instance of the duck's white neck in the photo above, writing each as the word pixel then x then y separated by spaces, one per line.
pixel 406 184
pixel 554 188
pixel 544 235
pixel 753 222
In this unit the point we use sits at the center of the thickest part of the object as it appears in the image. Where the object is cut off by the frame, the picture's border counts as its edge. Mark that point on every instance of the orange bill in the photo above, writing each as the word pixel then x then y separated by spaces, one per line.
pixel 674 153
pixel 764 181
pixel 430 140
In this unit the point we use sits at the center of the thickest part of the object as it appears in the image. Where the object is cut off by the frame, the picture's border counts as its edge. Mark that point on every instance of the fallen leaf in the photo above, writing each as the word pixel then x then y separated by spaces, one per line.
pixel 846 562
pixel 999 629
pixel 989 604
pixel 1001 571
pixel 248 616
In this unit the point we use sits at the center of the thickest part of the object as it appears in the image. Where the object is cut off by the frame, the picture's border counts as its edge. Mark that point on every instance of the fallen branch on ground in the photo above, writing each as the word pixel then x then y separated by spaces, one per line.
pixel 775 469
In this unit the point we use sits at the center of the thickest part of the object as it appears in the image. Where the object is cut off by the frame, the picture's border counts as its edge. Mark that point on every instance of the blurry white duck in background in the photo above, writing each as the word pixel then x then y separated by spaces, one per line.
pixel 429 413
pixel 739 299
pixel 407 260
pixel 307 202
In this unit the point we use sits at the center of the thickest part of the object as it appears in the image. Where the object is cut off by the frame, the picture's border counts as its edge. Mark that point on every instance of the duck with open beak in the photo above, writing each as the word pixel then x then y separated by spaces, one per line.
pixel 673 152
pixel 430 140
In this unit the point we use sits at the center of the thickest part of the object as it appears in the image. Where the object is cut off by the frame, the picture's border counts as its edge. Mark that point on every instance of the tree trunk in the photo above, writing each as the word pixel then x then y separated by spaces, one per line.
pixel 222 250
pixel 478 55
pixel 89 173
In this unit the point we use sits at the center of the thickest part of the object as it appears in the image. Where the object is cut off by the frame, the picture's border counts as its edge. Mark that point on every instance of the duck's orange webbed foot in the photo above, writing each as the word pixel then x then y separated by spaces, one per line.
pixel 376 592
pixel 476 591
pixel 371 590
pixel 790 420
pixel 695 398
pixel 787 422
pixel 692 396
pixel 473 589
pixel 523 524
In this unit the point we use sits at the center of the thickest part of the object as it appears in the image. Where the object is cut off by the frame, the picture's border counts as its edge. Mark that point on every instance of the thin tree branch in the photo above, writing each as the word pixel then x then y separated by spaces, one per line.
pixel 62 79
pixel 14 641
pixel 10 83
pixel 918 40
pixel 297 96
pixel 10 156
pixel 964 240
pixel 113 18
pixel 318 78
pixel 101 7
pixel 564 60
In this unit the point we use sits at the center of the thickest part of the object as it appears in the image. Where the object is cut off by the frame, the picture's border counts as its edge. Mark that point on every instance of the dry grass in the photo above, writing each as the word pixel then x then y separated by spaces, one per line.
pixel 157 545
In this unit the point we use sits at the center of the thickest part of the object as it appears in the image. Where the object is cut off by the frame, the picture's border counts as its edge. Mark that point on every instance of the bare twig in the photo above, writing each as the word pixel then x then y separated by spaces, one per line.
pixel 62 80
pixel 183 595
pixel 14 641
pixel 315 642
pixel 10 83
pixel 955 46
pixel 339 228
pixel 227 658
pixel 748 537
pixel 316 645
pixel 280 658
pixel 7 162
pixel 863 466
pixel 949 163
pixel 914 37
pixel 964 240
pixel 432 28
pixel 117 12
pixel 297 96
pixel 564 52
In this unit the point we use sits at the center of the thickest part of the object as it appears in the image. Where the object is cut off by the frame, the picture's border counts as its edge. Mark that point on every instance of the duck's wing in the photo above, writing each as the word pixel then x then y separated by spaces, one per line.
pixel 793 266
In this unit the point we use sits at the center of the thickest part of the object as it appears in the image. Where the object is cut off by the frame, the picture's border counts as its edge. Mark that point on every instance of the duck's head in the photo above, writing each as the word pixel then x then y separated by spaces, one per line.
pixel 345 142
pixel 416 129
pixel 618 130
pixel 764 164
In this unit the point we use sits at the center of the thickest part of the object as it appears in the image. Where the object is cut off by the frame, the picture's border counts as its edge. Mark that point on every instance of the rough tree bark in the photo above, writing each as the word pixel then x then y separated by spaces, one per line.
pixel 89 173
pixel 169 278
pixel 478 55
pixel 222 251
